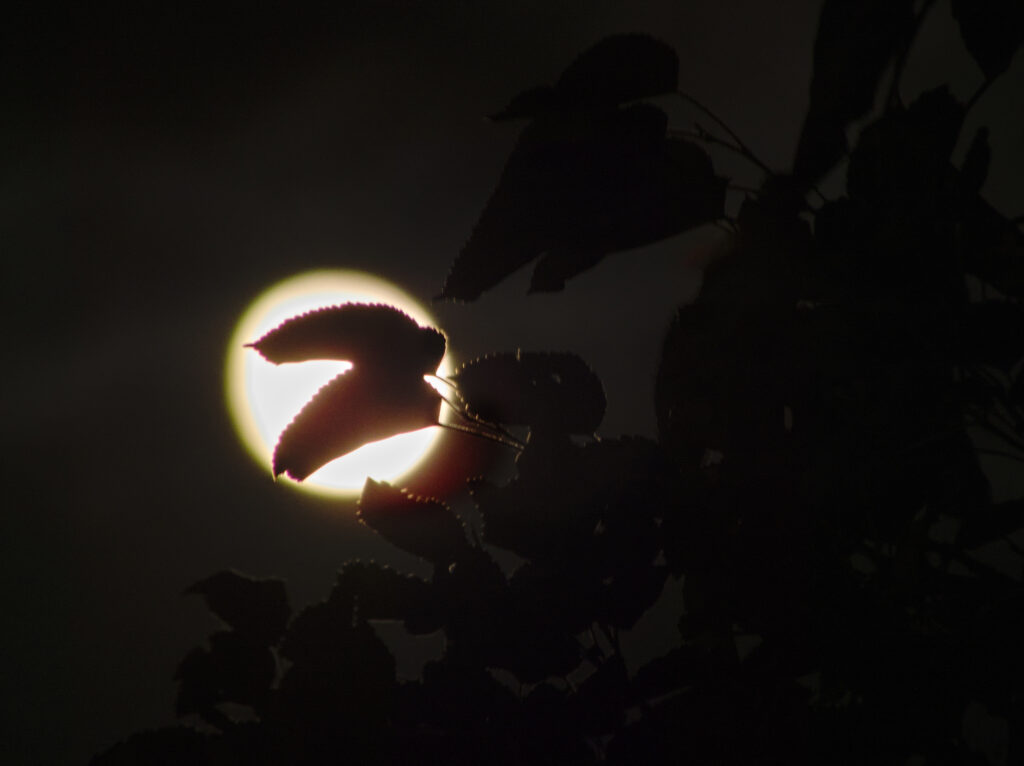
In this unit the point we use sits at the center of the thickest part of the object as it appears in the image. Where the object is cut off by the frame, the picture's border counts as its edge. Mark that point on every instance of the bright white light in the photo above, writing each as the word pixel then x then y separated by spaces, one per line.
pixel 263 397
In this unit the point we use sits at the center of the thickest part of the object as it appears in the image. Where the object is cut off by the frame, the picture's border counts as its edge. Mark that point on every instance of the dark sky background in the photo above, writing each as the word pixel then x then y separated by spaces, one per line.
pixel 161 166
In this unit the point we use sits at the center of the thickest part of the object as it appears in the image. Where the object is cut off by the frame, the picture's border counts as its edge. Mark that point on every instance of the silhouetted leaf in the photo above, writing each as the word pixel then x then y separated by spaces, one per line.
pixel 423 527
pixel 161 747
pixel 597 705
pixel 578 186
pixel 680 667
pixel 1017 390
pixel 257 609
pixel 974 170
pixel 556 596
pixel 556 392
pixel 234 669
pixel 992 247
pixel 630 594
pixel 991 523
pixel 856 40
pixel 368 335
pixel 355 408
pixel 992 333
pixel 992 31
pixel 455 697
pixel 617 69
pixel 902 159
pixel 342 675
pixel 381 593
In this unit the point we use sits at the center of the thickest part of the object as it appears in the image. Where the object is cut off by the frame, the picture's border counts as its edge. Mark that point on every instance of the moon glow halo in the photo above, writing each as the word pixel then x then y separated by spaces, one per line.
pixel 263 397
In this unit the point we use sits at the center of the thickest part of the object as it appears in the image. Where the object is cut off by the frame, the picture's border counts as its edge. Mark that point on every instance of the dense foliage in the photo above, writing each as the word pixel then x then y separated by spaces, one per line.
pixel 815 486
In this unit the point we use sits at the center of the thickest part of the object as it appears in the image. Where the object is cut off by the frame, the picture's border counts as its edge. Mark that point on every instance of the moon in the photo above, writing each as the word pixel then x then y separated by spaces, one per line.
pixel 263 398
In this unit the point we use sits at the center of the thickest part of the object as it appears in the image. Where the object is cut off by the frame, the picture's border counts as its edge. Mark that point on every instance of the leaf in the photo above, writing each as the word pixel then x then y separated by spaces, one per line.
pixel 556 392
pixel 597 705
pixel 233 669
pixel 423 527
pixel 856 40
pixel 371 335
pixel 618 68
pixel 992 247
pixel 992 332
pixel 355 408
pixel 578 186
pixel 382 593
pixel 159 747
pixel 992 30
pixel 902 159
pixel 974 170
pixel 341 673
pixel 990 523
pixel 257 609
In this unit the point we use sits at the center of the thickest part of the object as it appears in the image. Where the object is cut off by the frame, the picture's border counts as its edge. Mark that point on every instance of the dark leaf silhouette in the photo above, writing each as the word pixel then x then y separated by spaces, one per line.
pixel 974 170
pixel 233 669
pixel 342 676
pixel 257 609
pixel 580 185
pixel 597 703
pixel 992 30
pixel 617 69
pixel 992 333
pixel 383 395
pixel 368 335
pixel 903 158
pixel 162 747
pixel 856 41
pixel 356 407
pixel 992 247
pixel 557 392
pixel 379 592
pixel 991 523
pixel 423 527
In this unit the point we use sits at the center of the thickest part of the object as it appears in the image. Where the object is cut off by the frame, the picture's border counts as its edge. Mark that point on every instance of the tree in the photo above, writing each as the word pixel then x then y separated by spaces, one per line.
pixel 815 484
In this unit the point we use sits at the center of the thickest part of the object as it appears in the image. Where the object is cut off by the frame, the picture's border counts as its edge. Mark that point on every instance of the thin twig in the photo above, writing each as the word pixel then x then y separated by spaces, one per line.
pixel 471 419
pixel 740 145
pixel 513 444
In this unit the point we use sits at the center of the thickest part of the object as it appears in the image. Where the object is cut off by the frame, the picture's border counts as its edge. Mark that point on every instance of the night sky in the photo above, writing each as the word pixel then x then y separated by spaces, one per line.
pixel 161 167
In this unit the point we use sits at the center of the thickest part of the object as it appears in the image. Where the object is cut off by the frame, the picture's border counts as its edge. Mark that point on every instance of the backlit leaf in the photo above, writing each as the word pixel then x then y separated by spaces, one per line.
pixel 423 527
pixel 355 408
pixel 370 335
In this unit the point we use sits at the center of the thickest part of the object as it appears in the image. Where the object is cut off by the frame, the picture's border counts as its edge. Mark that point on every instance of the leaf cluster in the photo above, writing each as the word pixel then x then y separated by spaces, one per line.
pixel 816 489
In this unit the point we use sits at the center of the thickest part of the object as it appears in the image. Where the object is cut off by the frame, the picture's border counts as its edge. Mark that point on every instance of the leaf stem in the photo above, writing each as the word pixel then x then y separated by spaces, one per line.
pixel 512 443
pixel 740 146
